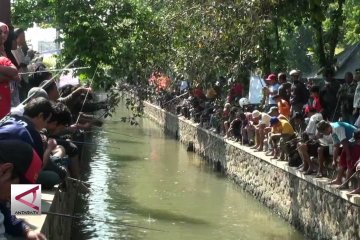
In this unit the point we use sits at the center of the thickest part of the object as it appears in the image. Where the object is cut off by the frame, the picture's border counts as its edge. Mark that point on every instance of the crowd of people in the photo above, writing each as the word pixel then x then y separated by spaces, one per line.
pixel 312 127
pixel 38 122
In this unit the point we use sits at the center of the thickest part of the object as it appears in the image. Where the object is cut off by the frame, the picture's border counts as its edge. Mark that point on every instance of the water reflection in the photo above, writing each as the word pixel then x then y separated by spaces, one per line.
pixel 156 183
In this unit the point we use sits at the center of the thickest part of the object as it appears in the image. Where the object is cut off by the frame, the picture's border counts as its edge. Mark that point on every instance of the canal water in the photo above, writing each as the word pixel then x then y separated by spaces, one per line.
pixel 153 182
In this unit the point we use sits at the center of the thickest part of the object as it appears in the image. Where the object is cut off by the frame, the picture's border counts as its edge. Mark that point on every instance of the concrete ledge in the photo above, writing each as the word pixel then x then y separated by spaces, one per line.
pixel 310 204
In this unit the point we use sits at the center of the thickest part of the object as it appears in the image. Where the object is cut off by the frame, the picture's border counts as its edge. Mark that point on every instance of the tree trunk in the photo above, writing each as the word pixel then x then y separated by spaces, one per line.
pixel 5 12
pixel 336 23
pixel 266 50
pixel 319 43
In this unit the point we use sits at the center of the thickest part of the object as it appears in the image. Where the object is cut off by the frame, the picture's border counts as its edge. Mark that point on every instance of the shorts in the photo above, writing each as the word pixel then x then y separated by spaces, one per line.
pixel 355 154
pixel 313 148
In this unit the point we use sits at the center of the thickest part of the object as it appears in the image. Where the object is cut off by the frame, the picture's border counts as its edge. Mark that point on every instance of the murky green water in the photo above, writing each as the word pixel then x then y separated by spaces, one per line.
pixel 152 181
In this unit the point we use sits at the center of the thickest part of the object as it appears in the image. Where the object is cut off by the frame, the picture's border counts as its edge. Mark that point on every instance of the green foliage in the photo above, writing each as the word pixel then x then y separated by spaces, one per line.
pixel 126 40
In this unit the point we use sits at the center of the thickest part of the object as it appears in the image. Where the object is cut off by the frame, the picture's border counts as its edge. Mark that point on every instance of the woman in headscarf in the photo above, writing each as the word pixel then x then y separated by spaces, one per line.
pixel 8 73
pixel 6 43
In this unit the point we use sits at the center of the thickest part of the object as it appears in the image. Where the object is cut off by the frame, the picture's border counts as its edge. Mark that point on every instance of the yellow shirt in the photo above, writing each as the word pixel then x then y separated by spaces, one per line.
pixel 286 127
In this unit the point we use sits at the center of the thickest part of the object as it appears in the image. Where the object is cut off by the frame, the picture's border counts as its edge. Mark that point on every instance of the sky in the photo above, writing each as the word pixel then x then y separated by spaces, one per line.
pixel 36 34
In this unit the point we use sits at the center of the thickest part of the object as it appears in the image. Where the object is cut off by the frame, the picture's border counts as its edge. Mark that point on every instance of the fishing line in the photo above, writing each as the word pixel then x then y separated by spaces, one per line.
pixel 95 144
pixel 53 70
pixel 348 180
pixel 121 134
pixel 87 93
pixel 100 220
pixel 175 98
pixel 45 85
pixel 49 81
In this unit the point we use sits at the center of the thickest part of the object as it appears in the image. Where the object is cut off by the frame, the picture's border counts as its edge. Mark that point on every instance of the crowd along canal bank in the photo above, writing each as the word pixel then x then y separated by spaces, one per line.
pixel 311 205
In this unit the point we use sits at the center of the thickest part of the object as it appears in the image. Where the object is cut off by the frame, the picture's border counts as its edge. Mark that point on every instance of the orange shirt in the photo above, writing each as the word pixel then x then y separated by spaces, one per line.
pixel 284 108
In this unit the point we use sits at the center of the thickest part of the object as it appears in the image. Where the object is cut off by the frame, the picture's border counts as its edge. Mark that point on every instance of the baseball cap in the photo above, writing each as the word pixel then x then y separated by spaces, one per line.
pixel 273 109
pixel 273 120
pixel 294 72
pixel 255 114
pixel 37 92
pixel 27 164
pixel 271 77
pixel 265 119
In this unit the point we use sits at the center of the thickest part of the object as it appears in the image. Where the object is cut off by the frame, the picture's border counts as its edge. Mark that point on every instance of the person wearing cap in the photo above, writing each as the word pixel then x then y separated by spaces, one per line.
pixel 19 164
pixel 328 96
pixel 341 133
pixel 299 93
pixel 261 129
pixel 34 92
pixel 281 131
pixel 271 90
pixel 283 106
pixel 284 88
pixel 273 112
pixel 310 146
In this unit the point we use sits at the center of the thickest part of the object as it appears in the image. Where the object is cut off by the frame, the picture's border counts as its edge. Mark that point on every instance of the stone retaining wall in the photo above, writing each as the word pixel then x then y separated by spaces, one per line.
pixel 311 205
pixel 56 227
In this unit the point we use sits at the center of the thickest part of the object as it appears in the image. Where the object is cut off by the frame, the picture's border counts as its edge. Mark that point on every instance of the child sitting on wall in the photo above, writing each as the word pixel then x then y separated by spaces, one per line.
pixel 281 132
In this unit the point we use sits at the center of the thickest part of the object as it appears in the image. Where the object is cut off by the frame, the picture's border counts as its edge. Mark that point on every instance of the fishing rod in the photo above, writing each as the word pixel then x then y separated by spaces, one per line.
pixel 175 98
pixel 95 144
pixel 109 131
pixel 54 70
pixel 121 134
pixel 348 180
pixel 44 86
pixel 50 81
pixel 99 220
pixel 87 93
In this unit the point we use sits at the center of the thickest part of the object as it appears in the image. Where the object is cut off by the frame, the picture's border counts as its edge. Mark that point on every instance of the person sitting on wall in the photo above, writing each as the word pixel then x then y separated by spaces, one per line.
pixel 19 164
pixel 215 120
pixel 281 132
pixel 27 128
pixel 247 129
pixel 56 127
pixel 205 115
pixel 341 133
pixel 235 126
pixel 227 123
pixel 261 128
pixel 308 145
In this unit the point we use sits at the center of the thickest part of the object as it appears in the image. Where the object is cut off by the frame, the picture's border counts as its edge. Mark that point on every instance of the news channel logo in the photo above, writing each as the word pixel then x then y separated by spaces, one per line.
pixel 25 199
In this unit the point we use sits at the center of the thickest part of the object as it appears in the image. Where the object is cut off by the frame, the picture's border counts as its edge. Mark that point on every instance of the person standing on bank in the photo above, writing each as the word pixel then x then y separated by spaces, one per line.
pixel 299 93
pixel 270 91
pixel 328 96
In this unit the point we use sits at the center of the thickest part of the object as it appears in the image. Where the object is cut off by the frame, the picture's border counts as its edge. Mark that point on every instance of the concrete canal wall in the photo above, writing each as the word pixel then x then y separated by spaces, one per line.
pixel 312 206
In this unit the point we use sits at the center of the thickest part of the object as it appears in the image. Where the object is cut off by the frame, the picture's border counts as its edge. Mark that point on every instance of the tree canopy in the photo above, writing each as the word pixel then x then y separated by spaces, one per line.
pixel 198 39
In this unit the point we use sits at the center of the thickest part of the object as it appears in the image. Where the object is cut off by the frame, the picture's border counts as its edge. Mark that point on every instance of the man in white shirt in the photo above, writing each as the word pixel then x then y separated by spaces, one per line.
pixel 309 146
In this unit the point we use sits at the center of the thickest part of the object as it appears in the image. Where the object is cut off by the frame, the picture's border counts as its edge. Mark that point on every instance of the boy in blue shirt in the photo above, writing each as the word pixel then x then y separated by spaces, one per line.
pixel 341 133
